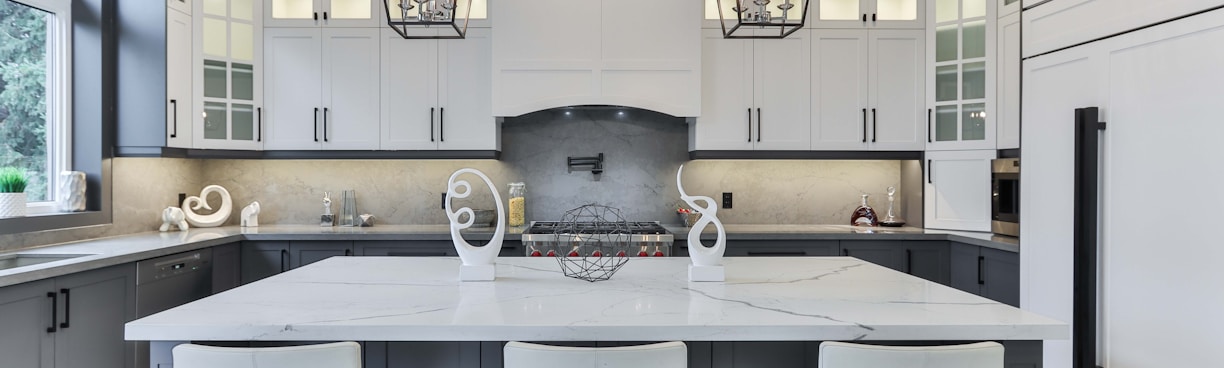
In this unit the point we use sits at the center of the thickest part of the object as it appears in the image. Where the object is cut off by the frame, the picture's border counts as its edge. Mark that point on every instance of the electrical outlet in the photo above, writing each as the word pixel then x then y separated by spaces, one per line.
pixel 181 197
pixel 443 200
pixel 726 200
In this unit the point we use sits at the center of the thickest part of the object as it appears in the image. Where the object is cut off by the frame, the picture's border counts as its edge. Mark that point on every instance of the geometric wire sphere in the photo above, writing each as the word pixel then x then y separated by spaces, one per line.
pixel 593 242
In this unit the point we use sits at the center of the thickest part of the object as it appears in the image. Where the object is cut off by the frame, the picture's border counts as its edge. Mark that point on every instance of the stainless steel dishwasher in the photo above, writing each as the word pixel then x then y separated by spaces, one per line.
pixel 167 282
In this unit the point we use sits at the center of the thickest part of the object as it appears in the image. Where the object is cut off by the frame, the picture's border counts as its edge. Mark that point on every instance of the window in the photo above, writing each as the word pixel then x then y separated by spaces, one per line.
pixel 34 94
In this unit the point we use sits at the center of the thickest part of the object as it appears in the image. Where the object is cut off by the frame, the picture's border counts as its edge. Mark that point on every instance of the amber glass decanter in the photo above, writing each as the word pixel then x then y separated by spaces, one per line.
pixel 864 215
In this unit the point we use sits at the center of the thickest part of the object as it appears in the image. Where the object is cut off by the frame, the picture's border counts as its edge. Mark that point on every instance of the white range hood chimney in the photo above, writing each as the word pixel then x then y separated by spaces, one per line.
pixel 556 53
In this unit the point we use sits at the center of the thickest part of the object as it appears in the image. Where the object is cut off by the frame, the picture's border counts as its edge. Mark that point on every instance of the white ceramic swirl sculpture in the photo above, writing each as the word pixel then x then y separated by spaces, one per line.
pixel 477 261
pixel 707 261
pixel 216 218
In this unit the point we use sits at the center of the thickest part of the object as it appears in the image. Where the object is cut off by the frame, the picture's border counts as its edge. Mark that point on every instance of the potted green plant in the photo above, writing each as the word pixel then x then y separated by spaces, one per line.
pixel 12 192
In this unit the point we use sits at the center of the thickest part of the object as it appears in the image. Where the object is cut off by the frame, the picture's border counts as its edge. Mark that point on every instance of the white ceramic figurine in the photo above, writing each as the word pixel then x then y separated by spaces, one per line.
pixel 173 216
pixel 250 215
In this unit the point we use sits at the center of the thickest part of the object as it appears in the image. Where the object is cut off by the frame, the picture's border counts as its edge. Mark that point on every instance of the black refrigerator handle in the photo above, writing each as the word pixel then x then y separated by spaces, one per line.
pixel 1084 299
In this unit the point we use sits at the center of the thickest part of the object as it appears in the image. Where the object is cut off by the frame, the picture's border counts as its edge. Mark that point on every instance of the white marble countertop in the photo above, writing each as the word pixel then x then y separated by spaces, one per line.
pixel 420 299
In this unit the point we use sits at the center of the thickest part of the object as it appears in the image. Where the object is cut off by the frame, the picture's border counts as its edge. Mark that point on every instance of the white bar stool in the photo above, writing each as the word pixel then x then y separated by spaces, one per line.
pixel 847 355
pixel 332 355
pixel 672 354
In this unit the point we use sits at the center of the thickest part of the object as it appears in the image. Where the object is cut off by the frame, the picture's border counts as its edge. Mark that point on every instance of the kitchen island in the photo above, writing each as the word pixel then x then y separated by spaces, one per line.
pixel 763 299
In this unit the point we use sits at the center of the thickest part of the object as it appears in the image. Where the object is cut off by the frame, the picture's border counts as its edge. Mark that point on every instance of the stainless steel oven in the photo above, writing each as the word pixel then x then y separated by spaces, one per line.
pixel 1005 196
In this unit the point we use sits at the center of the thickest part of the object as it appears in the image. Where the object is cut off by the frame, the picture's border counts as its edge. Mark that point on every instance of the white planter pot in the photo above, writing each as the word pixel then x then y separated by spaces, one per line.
pixel 12 205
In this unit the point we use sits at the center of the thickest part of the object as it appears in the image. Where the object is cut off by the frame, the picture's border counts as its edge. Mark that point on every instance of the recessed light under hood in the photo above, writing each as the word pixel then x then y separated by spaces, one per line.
pixel 607 52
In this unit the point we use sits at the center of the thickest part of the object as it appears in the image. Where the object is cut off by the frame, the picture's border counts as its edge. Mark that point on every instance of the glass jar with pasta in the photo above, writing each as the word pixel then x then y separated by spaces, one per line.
pixel 518 206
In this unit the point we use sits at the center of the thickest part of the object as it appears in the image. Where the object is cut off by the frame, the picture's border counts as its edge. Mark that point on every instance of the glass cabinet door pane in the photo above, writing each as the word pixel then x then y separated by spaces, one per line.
pixel 244 122
pixel 974 117
pixel 216 37
pixel 945 43
pixel 214 79
pixel 973 9
pixel 975 40
pixel 839 9
pixel 243 77
pixel 215 123
pixel 946 10
pixel 242 45
pixel 480 9
pixel 216 7
pixel 242 9
pixel 974 80
pixel 354 9
pixel 945 123
pixel 945 83
pixel 293 9
pixel 897 9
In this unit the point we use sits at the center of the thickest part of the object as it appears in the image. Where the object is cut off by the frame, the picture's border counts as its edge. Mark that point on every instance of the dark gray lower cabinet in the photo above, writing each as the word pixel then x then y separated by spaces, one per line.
pixel 69 321
pixel 926 259
pixel 416 248
pixel 227 267
pixel 780 248
pixel 422 354
pixel 773 354
pixel 991 273
pixel 302 253
pixel 261 259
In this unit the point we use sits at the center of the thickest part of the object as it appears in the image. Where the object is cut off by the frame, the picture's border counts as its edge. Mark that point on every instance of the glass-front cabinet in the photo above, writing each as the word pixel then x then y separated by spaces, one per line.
pixel 228 73
pixel 961 74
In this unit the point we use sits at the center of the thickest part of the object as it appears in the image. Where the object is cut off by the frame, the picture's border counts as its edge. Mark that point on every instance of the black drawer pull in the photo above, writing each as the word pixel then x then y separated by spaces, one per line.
pixel 259 127
pixel 930 172
pixel 67 304
pixel 54 300
pixel 316 125
pixel 929 126
pixel 284 256
pixel 759 123
pixel 981 278
pixel 909 261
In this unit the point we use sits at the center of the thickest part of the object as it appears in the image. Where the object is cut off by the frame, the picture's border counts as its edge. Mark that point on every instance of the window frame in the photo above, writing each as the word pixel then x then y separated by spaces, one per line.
pixel 59 99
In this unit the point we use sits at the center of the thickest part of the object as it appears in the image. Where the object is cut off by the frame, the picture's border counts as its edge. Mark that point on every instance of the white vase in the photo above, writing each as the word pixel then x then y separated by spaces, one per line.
pixel 12 205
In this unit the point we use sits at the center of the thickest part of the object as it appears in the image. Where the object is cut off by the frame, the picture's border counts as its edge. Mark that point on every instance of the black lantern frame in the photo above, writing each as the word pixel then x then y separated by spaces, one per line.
pixel 403 24
pixel 784 27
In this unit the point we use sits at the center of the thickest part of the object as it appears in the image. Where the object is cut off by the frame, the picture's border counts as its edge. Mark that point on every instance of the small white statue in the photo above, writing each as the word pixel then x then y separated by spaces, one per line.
pixel 477 261
pixel 707 261
pixel 173 216
pixel 71 191
pixel 250 215
pixel 216 218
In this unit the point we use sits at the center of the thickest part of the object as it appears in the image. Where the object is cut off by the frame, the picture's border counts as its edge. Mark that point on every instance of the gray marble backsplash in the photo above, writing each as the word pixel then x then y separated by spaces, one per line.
pixel 642 151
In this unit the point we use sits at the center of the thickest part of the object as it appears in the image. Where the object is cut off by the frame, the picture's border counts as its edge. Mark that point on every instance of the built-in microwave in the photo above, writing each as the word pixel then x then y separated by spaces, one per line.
pixel 1005 196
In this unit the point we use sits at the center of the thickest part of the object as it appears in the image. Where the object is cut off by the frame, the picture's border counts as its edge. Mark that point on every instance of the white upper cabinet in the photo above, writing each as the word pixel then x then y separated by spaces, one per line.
pixel 333 13
pixel 183 6
pixel 756 94
pixel 867 90
pixel 179 95
pixel 641 53
pixel 961 74
pixel 227 66
pixel 322 89
pixel 1061 23
pixel 957 193
pixel 436 93
pixel 1008 130
pixel 1008 7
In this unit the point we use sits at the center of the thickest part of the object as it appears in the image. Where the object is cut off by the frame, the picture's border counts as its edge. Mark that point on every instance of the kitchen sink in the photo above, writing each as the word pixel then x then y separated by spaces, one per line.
pixel 25 259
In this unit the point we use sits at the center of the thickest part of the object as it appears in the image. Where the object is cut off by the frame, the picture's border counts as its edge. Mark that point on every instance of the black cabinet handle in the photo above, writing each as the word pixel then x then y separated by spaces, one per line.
pixel 54 301
pixel 930 173
pixel 259 127
pixel 284 255
pixel 431 121
pixel 174 111
pixel 348 252
pixel 909 261
pixel 873 17
pixel 417 254
pixel 324 15
pixel 864 17
pixel 316 15
pixel 777 254
pixel 874 124
pixel 846 252
pixel 442 124
pixel 67 304
pixel 316 125
pixel 929 126
pixel 981 280
pixel 325 121
pixel 759 121
pixel 864 125
pixel 749 124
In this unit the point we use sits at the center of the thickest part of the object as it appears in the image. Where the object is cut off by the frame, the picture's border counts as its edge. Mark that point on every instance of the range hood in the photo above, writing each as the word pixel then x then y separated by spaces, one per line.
pixel 557 53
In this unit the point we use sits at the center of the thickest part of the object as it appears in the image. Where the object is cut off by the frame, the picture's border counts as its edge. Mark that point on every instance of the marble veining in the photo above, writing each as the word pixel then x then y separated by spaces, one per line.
pixel 421 299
